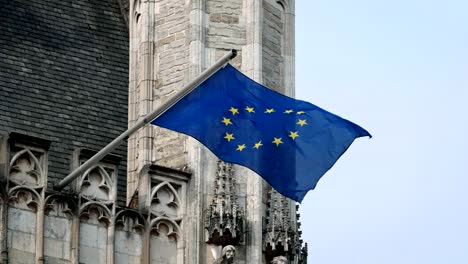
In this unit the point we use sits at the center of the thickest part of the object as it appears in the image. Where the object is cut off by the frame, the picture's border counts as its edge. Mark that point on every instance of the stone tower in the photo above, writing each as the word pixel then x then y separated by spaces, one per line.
pixel 195 204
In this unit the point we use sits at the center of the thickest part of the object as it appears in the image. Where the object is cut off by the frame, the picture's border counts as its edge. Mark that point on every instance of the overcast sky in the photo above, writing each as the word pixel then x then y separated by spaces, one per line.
pixel 398 68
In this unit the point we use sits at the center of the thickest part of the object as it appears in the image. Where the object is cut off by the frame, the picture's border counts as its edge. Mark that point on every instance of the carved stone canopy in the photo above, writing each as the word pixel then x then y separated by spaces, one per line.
pixel 282 237
pixel 224 218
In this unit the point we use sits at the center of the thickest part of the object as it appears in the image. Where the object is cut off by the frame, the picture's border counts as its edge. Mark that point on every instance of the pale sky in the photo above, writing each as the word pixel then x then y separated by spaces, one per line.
pixel 398 68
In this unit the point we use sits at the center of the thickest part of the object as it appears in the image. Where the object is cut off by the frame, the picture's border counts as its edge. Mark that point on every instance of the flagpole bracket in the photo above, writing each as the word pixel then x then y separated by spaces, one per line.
pixel 234 54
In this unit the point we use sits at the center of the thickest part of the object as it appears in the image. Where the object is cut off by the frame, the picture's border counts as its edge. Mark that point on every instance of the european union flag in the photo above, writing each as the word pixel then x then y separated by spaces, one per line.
pixel 290 143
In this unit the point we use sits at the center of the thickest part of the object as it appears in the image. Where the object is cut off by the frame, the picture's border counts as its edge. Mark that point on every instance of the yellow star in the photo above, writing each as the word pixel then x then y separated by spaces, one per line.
pixel 302 122
pixel 226 121
pixel 250 109
pixel 240 147
pixel 269 111
pixel 288 111
pixel 229 137
pixel 277 141
pixel 293 135
pixel 300 112
pixel 258 145
pixel 234 111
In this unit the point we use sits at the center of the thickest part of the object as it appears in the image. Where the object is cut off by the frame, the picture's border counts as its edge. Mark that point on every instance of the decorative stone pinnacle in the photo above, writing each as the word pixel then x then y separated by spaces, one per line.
pixel 224 219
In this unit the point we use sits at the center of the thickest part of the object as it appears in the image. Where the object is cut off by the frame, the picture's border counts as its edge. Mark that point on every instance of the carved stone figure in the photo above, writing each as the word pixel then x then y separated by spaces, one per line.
pixel 279 260
pixel 228 255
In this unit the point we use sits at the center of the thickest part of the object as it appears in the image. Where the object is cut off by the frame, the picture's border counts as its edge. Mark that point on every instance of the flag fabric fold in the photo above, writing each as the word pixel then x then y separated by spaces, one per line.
pixel 289 143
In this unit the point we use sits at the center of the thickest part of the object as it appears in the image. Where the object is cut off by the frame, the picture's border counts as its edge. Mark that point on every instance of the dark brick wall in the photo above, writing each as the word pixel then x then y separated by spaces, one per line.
pixel 64 76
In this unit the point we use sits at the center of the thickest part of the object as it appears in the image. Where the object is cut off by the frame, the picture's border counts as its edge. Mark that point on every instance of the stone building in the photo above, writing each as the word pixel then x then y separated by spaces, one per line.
pixel 74 74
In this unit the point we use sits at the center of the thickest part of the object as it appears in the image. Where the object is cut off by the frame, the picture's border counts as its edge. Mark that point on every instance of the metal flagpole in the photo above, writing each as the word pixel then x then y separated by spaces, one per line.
pixel 189 87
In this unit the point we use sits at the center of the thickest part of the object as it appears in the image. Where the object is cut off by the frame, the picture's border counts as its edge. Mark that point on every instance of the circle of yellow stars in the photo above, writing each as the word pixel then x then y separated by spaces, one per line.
pixel 276 141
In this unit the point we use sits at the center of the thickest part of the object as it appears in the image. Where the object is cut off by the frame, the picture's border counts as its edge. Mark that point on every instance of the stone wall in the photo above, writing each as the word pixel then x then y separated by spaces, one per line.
pixel 273 45
pixel 171 55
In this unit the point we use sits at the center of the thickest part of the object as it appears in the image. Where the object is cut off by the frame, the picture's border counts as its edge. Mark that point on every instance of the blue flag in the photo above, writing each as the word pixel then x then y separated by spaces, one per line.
pixel 288 142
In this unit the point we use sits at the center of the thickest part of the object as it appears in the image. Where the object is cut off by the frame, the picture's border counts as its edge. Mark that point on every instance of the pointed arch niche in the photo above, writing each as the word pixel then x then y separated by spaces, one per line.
pixel 60 224
pixel 166 205
pixel 130 227
pixel 99 183
pixel 24 204
pixel 28 161
pixel 95 219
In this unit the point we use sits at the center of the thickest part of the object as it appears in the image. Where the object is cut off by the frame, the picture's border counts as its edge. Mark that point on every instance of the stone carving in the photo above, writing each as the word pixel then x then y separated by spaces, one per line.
pixel 130 228
pixel 166 214
pixel 279 260
pixel 165 204
pixel 23 224
pixel 165 238
pixel 98 184
pixel 60 206
pixel 136 10
pixel 283 4
pixel 228 255
pixel 58 227
pixel 130 221
pixel 94 232
pixel 26 170
pixel 165 201
pixel 167 226
pixel 282 237
pixel 95 213
pixel 25 198
pixel 224 219
pixel 279 233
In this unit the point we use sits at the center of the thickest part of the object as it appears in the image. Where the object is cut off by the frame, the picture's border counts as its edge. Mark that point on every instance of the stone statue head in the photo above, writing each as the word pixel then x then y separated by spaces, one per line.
pixel 279 260
pixel 229 252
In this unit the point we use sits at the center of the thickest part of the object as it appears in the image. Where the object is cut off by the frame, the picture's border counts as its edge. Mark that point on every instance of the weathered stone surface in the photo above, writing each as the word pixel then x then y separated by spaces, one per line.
pixel 20 257
pixel 273 45
pixel 128 243
pixel 21 220
pixel 91 255
pixel 93 242
pixel 55 249
pixel 57 228
pixel 220 18
pixel 57 237
pixel 163 249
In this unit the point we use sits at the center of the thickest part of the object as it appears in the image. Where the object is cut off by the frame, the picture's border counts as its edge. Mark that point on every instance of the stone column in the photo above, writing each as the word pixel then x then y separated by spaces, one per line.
pixel 141 86
pixel 289 50
pixel 252 67
pixel 171 42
